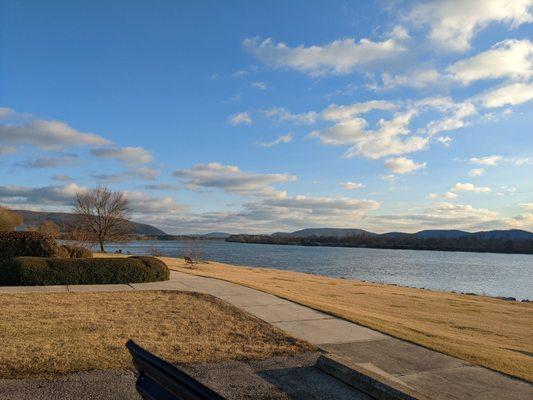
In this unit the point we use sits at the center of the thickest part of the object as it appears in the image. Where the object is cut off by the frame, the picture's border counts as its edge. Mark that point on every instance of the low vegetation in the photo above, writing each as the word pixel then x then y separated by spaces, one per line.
pixel 9 220
pixel 32 271
pixel 29 244
pixel 45 334
pixel 486 331
pixel 77 251
pixel 49 228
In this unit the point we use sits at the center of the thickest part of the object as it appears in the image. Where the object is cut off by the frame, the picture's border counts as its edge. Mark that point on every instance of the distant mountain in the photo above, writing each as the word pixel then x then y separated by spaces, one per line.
pixel 512 234
pixel 439 233
pixel 426 234
pixel 216 235
pixel 33 219
pixel 496 241
pixel 330 232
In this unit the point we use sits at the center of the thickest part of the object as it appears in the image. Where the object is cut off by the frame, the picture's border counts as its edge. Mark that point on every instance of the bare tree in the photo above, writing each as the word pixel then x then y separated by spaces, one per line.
pixel 103 214
pixel 49 228
pixel 9 220
pixel 75 236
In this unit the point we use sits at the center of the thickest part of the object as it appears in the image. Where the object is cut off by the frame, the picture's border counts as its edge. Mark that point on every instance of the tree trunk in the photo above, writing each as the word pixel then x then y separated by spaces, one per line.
pixel 102 250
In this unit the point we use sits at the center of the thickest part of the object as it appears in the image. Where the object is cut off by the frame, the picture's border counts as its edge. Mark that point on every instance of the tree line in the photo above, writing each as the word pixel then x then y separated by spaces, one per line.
pixel 463 243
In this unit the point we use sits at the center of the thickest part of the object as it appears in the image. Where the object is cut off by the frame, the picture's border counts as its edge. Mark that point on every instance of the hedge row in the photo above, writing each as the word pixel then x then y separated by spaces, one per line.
pixel 32 271
pixel 30 244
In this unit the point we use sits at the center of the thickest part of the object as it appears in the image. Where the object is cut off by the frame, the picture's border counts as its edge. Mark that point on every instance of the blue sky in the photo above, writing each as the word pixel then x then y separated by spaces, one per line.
pixel 252 117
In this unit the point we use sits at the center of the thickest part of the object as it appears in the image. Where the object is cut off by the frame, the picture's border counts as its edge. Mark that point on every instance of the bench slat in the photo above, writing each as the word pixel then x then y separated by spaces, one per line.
pixel 161 380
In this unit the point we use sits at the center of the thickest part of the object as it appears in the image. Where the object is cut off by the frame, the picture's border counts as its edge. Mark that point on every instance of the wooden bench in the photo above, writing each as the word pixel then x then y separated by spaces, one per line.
pixel 160 380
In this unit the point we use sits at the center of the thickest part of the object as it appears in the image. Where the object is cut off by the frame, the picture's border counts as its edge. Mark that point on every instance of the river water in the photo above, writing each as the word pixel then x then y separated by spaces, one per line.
pixel 509 275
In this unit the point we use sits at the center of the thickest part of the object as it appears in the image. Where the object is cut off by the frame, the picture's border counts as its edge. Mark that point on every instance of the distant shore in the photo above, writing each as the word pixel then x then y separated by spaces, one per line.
pixel 426 248
pixel 509 242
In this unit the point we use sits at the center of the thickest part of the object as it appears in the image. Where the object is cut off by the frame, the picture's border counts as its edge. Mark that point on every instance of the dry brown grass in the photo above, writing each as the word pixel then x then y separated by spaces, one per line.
pixel 44 334
pixel 486 331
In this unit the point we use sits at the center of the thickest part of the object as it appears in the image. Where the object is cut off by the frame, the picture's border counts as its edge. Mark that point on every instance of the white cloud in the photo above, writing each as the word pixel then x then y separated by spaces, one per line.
pixel 240 118
pixel 415 79
pixel 281 139
pixel 147 173
pixel 142 203
pixel 455 118
pixel 279 114
pixel 325 205
pixel 239 73
pixel 487 160
pixel 62 178
pixel 441 215
pixel 231 179
pixel 521 221
pixel 162 186
pixel 511 59
pixel 476 172
pixel 127 155
pixel 469 187
pixel 338 57
pixel 392 137
pixel 259 85
pixel 47 135
pixel 268 214
pixel 64 196
pixel 144 173
pixel 453 23
pixel 282 115
pixel 454 114
pixel 402 165
pixel 46 195
pixel 336 113
pixel 527 206
pixel 49 162
pixel 343 133
pixel 522 161
pixel 445 140
pixel 446 195
pixel 351 185
pixel 513 94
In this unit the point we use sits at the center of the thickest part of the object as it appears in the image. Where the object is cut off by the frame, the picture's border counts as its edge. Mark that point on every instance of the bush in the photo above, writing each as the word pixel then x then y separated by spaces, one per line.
pixel 28 244
pixel 33 271
pixel 73 251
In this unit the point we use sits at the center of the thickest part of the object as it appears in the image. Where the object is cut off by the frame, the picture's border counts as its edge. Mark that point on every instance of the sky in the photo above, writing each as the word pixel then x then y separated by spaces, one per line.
pixel 272 116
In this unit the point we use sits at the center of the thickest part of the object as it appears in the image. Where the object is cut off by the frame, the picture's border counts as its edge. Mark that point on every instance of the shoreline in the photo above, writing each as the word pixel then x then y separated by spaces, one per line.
pixel 484 330
pixel 508 295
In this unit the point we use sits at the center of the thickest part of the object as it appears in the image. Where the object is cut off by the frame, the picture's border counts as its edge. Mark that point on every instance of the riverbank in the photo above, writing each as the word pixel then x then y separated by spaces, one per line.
pixel 482 330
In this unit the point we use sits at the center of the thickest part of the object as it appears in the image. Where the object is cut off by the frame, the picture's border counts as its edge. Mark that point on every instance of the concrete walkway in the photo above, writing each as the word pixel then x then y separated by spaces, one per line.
pixel 425 372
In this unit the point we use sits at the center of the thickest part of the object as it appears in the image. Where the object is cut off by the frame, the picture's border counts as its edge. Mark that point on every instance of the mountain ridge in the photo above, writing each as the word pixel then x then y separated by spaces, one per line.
pixel 32 219
pixel 424 234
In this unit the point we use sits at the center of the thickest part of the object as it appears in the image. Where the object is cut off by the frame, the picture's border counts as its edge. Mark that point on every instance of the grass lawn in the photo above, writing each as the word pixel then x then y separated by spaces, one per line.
pixel 45 334
pixel 490 332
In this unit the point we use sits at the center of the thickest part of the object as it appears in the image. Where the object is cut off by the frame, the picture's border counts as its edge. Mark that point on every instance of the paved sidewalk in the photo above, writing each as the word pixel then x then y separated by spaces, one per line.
pixel 426 372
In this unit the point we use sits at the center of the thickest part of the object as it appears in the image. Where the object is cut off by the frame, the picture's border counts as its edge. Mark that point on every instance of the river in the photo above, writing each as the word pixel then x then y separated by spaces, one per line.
pixel 490 274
